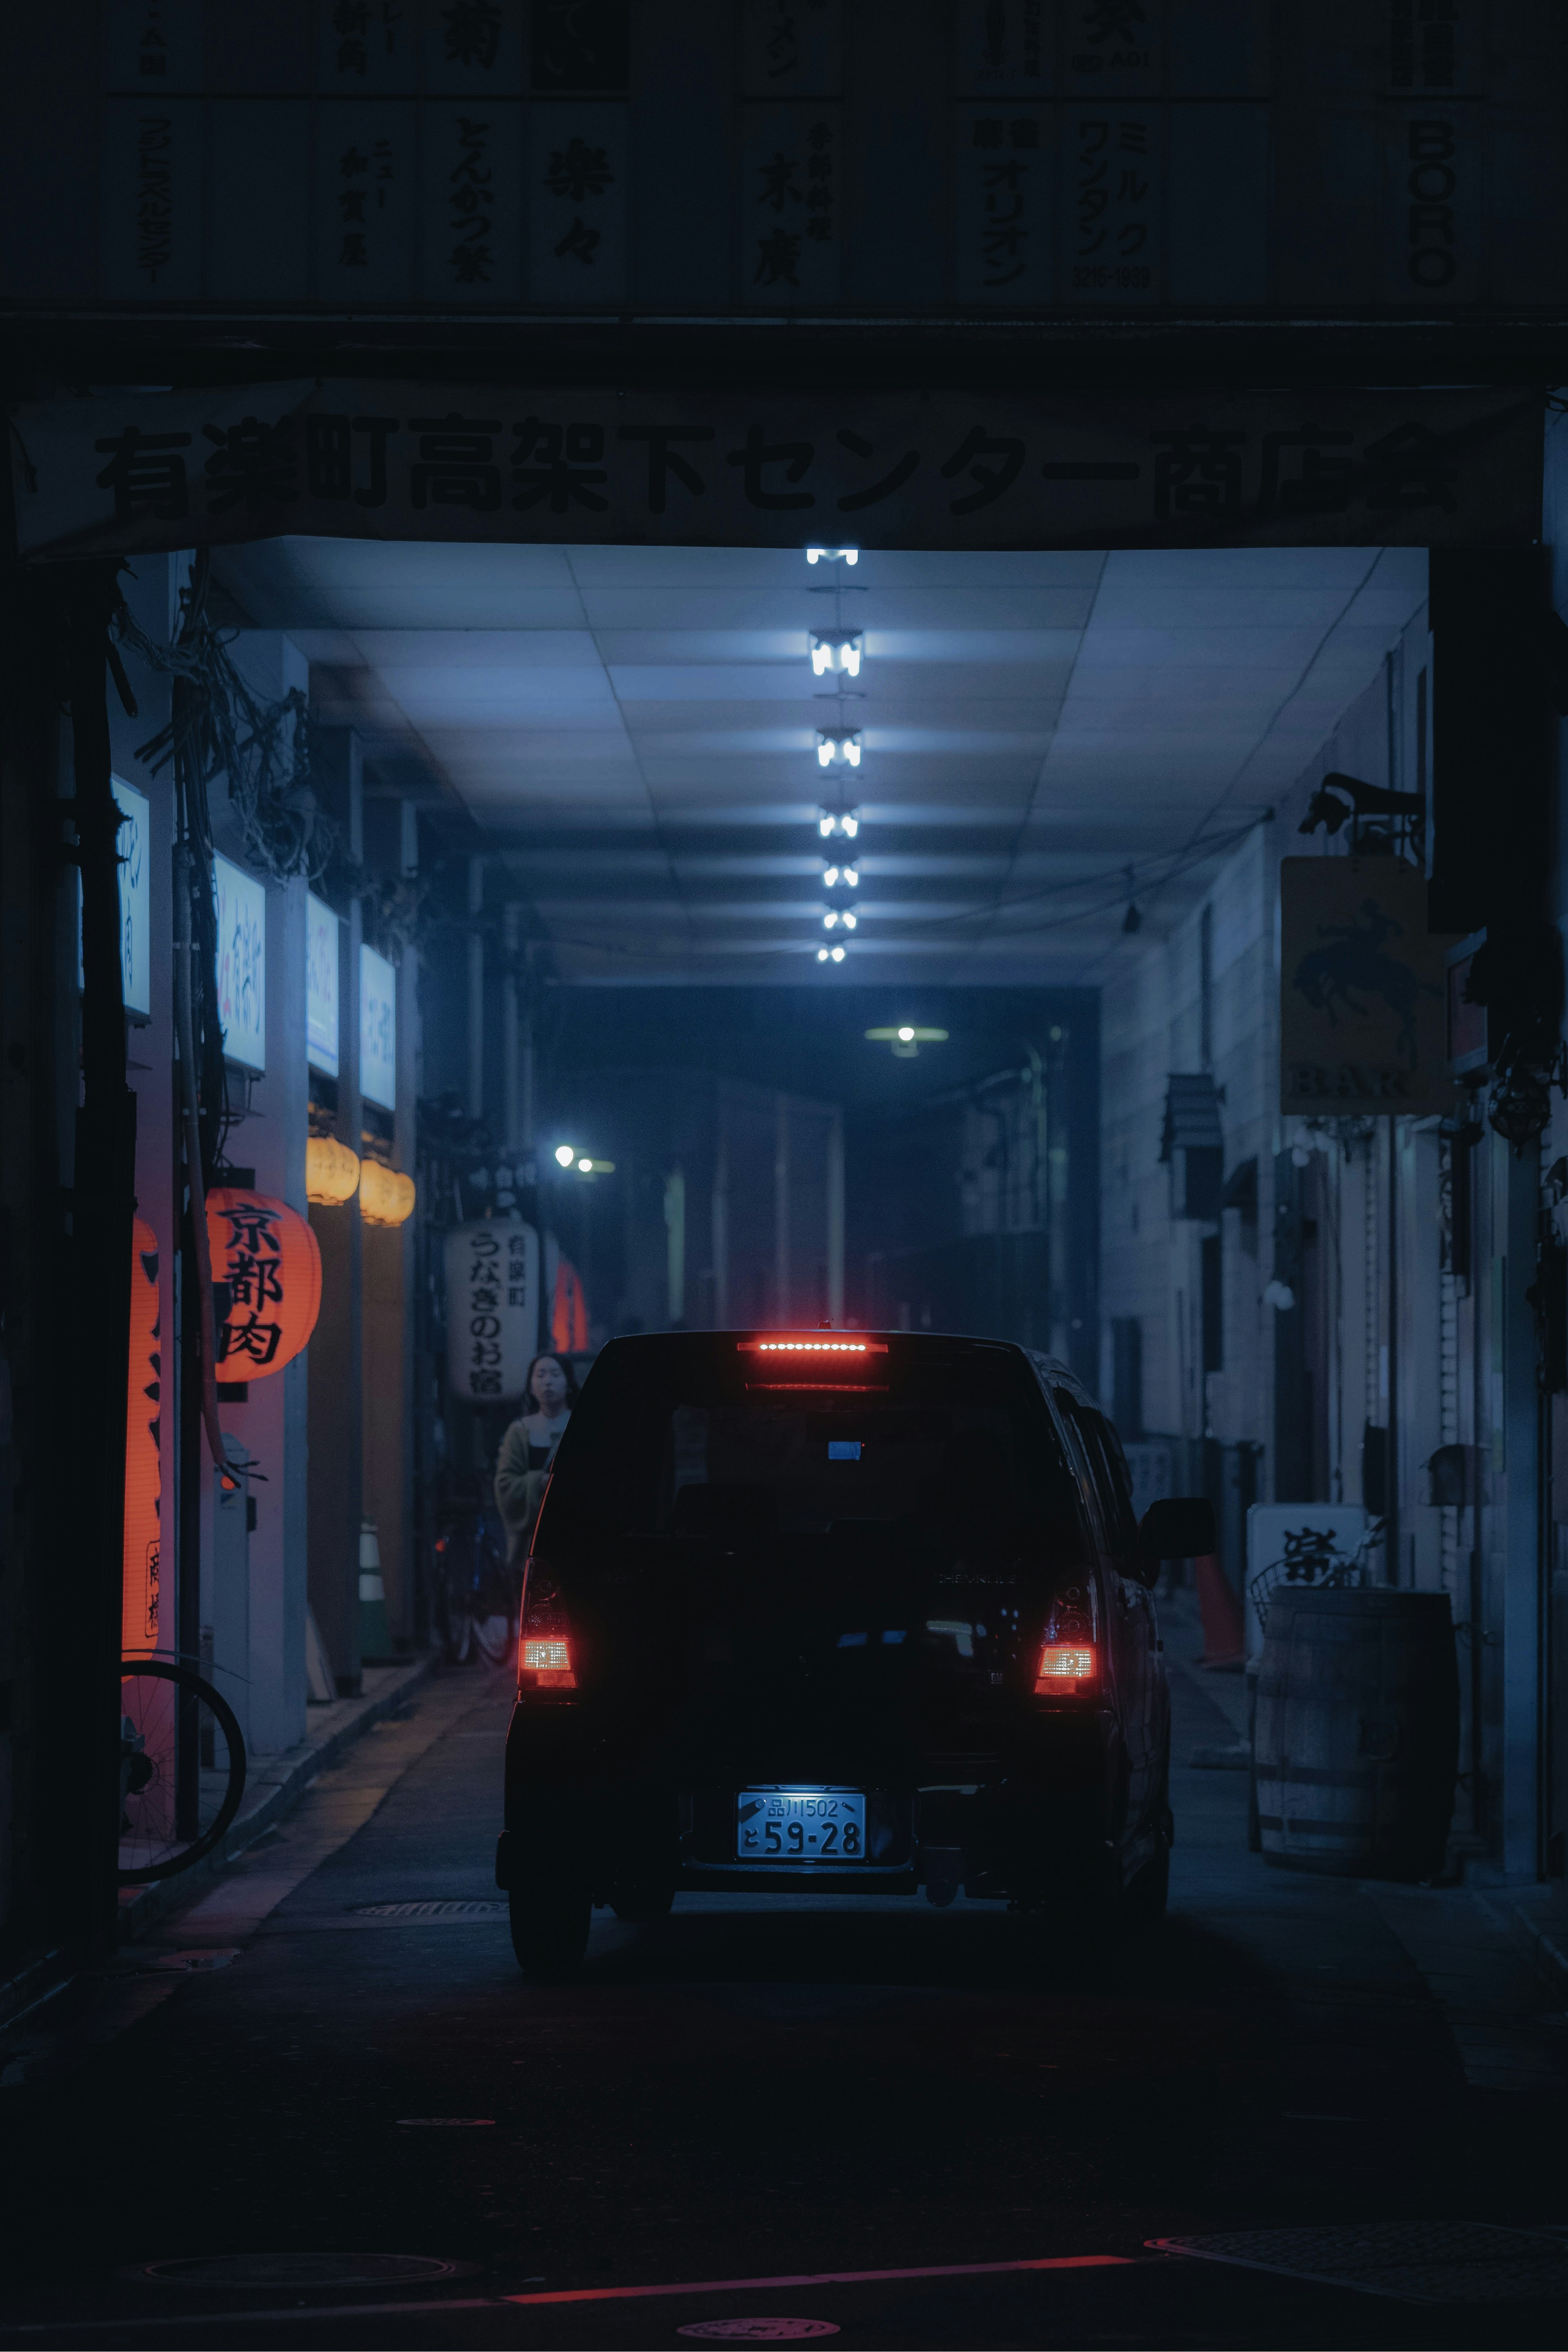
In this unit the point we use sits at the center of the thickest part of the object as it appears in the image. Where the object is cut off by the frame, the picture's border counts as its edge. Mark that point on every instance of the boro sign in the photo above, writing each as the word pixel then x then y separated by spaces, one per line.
pixel 473 463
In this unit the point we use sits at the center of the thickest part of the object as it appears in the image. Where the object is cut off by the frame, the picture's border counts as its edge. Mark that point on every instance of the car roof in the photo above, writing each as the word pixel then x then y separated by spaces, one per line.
pixel 1046 1367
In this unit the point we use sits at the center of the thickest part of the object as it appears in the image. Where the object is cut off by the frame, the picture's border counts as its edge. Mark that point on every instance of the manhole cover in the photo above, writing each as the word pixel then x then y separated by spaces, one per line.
pixel 476 1909
pixel 757 2331
pixel 299 2270
pixel 1420 2262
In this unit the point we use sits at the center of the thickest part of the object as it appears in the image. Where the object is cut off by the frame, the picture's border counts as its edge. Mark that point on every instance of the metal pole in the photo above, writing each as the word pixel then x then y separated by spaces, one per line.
pixel 720 1211
pixel 781 1209
pixel 1391 1471
pixel 476 988
pixel 835 1218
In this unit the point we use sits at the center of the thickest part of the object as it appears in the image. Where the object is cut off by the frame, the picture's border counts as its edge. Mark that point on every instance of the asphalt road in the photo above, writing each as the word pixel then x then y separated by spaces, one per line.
pixel 744 2094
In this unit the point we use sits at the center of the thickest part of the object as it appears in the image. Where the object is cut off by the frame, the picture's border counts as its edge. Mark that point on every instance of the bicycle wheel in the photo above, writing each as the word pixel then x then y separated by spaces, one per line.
pixel 181 1769
pixel 454 1592
pixel 495 1599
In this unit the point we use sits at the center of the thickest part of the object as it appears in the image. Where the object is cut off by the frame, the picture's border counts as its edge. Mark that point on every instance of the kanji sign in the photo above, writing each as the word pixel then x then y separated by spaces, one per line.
pixel 721 469
pixel 377 1030
pixel 321 987
pixel 241 964
pixel 492 1308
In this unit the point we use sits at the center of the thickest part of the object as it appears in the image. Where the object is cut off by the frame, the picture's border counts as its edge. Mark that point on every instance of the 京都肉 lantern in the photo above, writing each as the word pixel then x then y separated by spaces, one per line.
pixel 266 1274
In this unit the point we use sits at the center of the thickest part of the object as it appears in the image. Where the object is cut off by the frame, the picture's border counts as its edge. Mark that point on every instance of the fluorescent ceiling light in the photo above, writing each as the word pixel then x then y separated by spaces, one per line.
pixel 836 649
pixel 833 555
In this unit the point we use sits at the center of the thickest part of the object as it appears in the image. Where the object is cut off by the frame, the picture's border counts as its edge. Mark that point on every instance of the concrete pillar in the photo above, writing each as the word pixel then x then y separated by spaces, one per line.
pixel 336 1473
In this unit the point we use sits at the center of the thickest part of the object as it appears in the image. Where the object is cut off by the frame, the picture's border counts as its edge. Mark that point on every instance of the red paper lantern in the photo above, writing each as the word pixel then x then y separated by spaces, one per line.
pixel 266 1255
pixel 568 1311
pixel 140 1594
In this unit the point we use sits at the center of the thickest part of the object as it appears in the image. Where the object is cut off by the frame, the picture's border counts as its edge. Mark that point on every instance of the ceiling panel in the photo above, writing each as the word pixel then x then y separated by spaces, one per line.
pixel 636 729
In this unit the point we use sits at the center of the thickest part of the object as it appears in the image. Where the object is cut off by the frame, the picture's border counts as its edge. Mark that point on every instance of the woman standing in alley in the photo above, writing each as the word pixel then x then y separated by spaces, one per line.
pixel 528 1449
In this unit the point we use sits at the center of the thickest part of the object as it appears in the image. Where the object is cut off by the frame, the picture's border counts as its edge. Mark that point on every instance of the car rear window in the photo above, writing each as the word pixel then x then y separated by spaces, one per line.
pixel 930 1445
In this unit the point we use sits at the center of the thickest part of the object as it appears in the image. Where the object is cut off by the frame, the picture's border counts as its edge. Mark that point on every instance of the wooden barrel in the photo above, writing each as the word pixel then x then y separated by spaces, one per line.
pixel 1358 1732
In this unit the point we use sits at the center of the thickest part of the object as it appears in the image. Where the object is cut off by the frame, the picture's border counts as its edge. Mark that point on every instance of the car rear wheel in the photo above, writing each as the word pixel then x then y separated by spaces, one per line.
pixel 549 1920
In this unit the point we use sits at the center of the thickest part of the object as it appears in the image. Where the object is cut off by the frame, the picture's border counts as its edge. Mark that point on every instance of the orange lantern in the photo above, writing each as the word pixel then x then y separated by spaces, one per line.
pixel 569 1310
pixel 387 1196
pixel 267 1258
pixel 139 1586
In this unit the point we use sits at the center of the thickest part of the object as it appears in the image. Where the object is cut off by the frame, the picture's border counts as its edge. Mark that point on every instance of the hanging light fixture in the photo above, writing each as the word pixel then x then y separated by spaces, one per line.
pixel 836 748
pixel 387 1196
pixel 830 955
pixel 906 1040
pixel 836 649
pixel 331 1172
pixel 841 877
pixel 833 555
pixel 831 822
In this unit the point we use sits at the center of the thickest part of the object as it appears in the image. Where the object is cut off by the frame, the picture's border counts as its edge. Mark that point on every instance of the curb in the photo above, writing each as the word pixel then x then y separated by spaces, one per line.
pixel 273 1788
pixel 1541 1940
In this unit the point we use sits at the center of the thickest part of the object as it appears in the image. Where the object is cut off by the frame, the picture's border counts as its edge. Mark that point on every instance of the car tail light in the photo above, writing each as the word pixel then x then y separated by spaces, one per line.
pixel 1064 1667
pixel 544 1638
pixel 1069 1652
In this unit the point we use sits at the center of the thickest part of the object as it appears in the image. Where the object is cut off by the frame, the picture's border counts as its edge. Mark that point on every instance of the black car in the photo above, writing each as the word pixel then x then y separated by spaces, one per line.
pixel 860 1610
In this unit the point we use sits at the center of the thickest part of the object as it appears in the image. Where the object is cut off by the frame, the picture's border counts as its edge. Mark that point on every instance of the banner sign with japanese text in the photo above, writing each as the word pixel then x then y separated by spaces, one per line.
pixel 321 987
pixel 492 1308
pixel 887 470
pixel 377 1030
pixel 1361 995
pixel 241 964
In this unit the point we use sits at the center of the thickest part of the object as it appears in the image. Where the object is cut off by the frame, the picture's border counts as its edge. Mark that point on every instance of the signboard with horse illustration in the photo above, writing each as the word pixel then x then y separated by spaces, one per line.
pixel 1362 1003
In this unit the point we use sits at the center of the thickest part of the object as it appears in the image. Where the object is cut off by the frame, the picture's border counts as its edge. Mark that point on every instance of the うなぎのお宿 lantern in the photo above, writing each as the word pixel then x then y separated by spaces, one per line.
pixel 267 1275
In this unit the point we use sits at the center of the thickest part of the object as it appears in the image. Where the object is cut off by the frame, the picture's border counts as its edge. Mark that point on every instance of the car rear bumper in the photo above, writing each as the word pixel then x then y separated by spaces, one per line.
pixel 982 1824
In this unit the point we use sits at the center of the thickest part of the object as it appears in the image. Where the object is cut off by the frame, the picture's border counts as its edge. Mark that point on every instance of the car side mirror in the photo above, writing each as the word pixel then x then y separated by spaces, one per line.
pixel 1180 1528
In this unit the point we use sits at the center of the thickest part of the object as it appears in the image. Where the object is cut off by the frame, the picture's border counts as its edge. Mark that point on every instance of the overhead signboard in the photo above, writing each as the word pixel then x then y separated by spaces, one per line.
pixel 321 987
pixel 1363 1000
pixel 492 1308
pixel 711 467
pixel 377 1030
pixel 794 156
pixel 241 964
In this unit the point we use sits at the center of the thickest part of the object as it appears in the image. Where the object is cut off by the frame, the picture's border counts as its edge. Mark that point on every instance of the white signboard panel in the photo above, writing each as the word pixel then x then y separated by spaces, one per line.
pixel 1290 1546
pixel 377 1030
pixel 492 1308
pixel 135 897
pixel 241 964
pixel 321 987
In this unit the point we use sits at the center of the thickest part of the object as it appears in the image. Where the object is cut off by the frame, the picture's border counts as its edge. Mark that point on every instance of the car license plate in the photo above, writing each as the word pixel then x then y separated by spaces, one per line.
pixel 800 1825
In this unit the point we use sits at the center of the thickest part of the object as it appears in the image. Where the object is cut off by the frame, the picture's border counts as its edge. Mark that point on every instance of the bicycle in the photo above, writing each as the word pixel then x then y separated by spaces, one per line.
pixel 181 1769
pixel 476 1594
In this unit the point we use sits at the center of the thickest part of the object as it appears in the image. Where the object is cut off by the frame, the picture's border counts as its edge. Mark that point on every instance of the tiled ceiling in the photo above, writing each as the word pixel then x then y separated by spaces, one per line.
pixel 635 730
